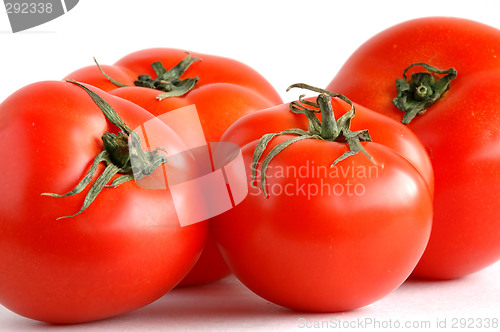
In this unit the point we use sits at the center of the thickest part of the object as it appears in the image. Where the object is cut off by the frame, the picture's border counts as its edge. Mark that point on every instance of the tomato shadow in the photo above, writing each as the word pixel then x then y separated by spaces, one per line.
pixel 442 295
pixel 418 282
pixel 220 305
pixel 432 289
pixel 223 303
pixel 224 298
pixel 228 303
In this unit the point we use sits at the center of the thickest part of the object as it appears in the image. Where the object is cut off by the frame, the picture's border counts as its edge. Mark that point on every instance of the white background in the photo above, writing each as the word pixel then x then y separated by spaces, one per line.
pixel 286 41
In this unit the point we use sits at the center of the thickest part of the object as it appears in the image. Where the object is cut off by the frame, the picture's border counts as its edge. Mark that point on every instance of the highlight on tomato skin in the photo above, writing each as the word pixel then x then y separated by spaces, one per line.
pixel 122 251
pixel 456 129
pixel 222 89
pixel 331 223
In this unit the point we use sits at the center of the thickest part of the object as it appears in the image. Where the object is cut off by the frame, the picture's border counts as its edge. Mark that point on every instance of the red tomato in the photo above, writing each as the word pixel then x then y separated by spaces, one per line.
pixel 326 238
pixel 457 130
pixel 226 90
pixel 123 252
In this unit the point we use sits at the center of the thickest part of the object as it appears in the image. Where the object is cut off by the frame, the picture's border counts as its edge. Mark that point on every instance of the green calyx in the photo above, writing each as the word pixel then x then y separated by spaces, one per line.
pixel 421 91
pixel 121 151
pixel 168 81
pixel 328 129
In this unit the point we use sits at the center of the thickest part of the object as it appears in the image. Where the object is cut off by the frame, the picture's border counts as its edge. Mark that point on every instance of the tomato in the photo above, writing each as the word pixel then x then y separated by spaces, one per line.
pixel 225 90
pixel 325 238
pixel 460 130
pixel 124 250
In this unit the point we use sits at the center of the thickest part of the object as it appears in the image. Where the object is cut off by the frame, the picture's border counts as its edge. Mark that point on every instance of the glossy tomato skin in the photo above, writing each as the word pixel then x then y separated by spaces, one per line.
pixel 323 241
pixel 466 235
pixel 456 130
pixel 227 89
pixel 126 250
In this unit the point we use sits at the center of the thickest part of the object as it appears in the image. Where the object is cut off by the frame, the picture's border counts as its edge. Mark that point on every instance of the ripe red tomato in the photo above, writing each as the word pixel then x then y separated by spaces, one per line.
pixel 461 131
pixel 226 90
pixel 326 238
pixel 124 251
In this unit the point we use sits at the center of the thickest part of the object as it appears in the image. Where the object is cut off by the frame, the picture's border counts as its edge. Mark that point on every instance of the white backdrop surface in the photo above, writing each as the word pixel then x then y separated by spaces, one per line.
pixel 287 42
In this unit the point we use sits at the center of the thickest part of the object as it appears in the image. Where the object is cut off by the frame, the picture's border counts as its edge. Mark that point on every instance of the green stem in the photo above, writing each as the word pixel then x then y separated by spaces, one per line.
pixel 416 95
pixel 112 80
pixel 328 129
pixel 119 151
pixel 168 81
pixel 106 109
